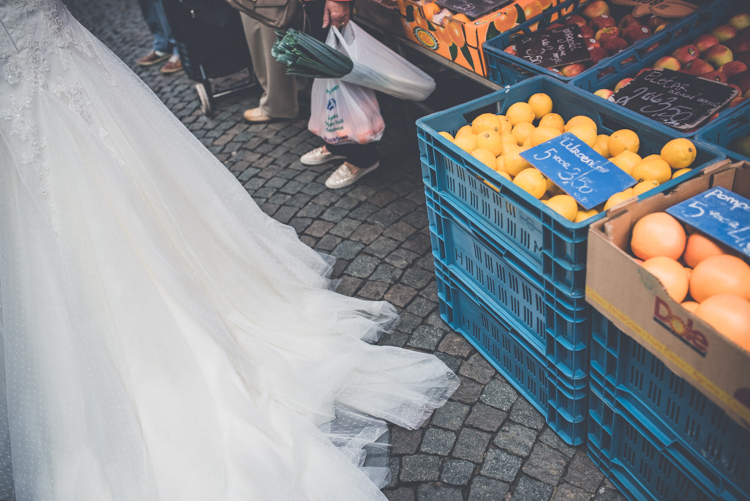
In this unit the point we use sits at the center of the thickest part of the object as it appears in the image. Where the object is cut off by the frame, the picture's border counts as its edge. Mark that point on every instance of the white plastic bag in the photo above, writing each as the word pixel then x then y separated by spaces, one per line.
pixel 378 67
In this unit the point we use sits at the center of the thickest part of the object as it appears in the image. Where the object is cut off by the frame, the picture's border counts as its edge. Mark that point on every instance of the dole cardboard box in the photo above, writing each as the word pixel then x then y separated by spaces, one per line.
pixel 637 303
pixel 461 41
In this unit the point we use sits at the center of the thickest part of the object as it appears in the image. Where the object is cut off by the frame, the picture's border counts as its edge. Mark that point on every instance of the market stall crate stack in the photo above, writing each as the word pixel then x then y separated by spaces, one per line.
pixel 730 135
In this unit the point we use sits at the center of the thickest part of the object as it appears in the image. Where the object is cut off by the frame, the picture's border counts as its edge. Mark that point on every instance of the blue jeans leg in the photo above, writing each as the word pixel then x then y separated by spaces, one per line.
pixel 156 19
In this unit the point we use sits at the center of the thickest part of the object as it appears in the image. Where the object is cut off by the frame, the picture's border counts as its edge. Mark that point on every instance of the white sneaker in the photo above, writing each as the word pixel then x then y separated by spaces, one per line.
pixel 343 176
pixel 318 156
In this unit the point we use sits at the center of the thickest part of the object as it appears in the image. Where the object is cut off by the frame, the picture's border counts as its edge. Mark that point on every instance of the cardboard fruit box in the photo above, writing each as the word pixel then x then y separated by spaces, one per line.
pixel 638 304
pixel 462 42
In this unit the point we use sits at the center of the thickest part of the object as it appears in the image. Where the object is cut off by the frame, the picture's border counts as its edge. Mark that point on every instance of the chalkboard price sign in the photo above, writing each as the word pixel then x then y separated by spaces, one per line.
pixel 579 170
pixel 473 8
pixel 678 100
pixel 719 213
pixel 553 48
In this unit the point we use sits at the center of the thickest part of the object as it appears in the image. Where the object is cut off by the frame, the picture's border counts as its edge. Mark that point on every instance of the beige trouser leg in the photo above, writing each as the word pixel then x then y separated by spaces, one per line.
pixel 279 98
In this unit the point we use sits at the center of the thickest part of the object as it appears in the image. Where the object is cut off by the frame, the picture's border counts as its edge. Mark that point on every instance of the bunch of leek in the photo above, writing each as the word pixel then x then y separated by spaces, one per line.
pixel 307 57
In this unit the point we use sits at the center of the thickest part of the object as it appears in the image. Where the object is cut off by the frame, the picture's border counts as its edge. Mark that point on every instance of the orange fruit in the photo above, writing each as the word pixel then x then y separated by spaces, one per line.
pixel 618 197
pixel 584 132
pixel 486 157
pixel 644 186
pixel 728 314
pixel 490 140
pixel 654 169
pixel 543 134
pixel 699 248
pixel 486 121
pixel 507 19
pixel 627 160
pixel 601 141
pixel 520 112
pixel 430 9
pixel 679 153
pixel 680 172
pixel 658 234
pixel 541 103
pixel 446 136
pixel 466 129
pixel 467 142
pixel 565 205
pixel 621 140
pixel 505 123
pixel 690 306
pixel 553 120
pixel 514 163
pixel 522 132
pixel 671 274
pixel 531 181
pixel 585 214
pixel 722 274
pixel 578 120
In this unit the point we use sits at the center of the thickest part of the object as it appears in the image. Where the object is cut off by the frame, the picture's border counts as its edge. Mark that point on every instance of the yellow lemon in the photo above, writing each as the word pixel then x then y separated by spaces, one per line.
pixel 543 134
pixel 446 136
pixel 486 157
pixel 486 121
pixel 627 160
pixel 514 163
pixel 467 142
pixel 645 186
pixel 520 112
pixel 522 131
pixel 652 157
pixel 505 123
pixel 541 104
pixel 500 163
pixel 621 140
pixel 553 120
pixel 654 169
pixel 618 197
pixel 527 144
pixel 466 129
pixel 505 175
pixel 679 153
pixel 602 140
pixel 565 205
pixel 585 214
pixel 585 133
pixel 491 186
pixel 578 120
pixel 508 137
pixel 680 172
pixel 602 150
pixel 511 147
pixel 491 140
pixel 531 181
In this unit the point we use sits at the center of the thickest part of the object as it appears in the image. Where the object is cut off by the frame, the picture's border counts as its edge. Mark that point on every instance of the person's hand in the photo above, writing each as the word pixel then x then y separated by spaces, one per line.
pixel 336 14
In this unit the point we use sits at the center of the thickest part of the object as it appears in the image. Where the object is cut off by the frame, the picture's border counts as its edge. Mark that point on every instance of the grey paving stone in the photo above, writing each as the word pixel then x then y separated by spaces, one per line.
pixel 328 243
pixel 345 227
pixel 366 233
pixel 545 464
pixel 609 494
pixel 468 392
pixel 417 278
pixel 397 339
pixel 499 394
pixel 382 198
pixel 420 468
pixel 487 489
pixel 405 441
pixel 516 439
pixel 400 295
pixel 437 441
pixel 551 438
pixel 425 337
pixel 364 211
pixel 471 445
pixel 347 249
pixel 427 492
pixel 500 465
pixel 418 243
pixel 374 291
pixel 348 285
pixel 418 219
pixel 456 345
pixel 399 231
pixel 421 307
pixel 383 217
pixel 394 464
pixel 453 363
pixel 478 369
pixel 486 418
pixel 381 247
pixel 334 214
pixel 583 473
pixel 457 472
pixel 311 210
pixel 529 489
pixel 526 414
pixel 362 193
pixel 401 258
pixel 408 322
pixel 347 203
pixel 386 273
pixel 401 494
pixel 362 266
pixel 451 415
pixel 567 492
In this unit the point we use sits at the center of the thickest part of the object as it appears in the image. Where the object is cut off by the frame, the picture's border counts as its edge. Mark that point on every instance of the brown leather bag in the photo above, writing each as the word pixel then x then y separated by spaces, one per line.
pixel 273 13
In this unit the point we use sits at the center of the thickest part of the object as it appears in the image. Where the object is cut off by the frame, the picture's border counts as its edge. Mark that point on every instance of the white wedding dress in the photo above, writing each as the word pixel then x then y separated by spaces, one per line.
pixel 163 339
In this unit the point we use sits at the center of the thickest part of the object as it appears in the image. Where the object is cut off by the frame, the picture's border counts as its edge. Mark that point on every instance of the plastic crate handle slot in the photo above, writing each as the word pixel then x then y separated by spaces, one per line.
pixel 737 123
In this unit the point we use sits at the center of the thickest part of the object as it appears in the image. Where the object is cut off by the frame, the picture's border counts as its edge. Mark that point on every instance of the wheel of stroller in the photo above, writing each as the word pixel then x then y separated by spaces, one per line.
pixel 204 97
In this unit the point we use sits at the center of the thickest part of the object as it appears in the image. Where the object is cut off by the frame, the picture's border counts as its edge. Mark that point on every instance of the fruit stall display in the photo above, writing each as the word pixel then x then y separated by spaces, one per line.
pixel 607 29
pixel 459 39
pixel 670 342
pixel 731 134
pixel 510 246
pixel 715 44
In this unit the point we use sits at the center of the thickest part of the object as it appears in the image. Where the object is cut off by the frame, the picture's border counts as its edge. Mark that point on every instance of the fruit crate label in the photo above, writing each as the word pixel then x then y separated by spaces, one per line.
pixel 550 49
pixel 719 213
pixel 474 8
pixel 677 100
pixel 578 170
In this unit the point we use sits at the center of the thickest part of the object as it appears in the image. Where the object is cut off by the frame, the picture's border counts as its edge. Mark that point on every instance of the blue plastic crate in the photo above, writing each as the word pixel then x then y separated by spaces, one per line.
pixel 542 239
pixel 622 65
pixel 554 323
pixel 725 130
pixel 562 401
pixel 685 423
pixel 507 69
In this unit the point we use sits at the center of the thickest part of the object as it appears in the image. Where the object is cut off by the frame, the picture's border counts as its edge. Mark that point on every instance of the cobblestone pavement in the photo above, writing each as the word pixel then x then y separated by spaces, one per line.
pixel 487 443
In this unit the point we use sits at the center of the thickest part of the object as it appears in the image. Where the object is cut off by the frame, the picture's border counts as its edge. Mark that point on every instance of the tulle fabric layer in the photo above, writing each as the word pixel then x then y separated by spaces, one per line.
pixel 163 338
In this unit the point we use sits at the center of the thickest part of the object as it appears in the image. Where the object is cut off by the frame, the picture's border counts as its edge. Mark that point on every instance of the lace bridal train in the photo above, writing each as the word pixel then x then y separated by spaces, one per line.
pixel 163 339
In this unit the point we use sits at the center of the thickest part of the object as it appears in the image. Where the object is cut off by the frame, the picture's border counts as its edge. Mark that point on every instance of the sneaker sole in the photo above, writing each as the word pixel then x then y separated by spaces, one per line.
pixel 322 161
pixel 362 173
pixel 168 72
pixel 151 63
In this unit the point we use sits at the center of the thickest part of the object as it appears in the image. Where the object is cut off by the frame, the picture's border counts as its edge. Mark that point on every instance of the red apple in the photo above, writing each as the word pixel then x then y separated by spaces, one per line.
pixel 718 55
pixel 698 67
pixel 743 57
pixel 629 60
pixel 724 32
pixel 635 32
pixel 602 22
pixel 735 87
pixel 591 42
pixel 597 54
pixel 596 9
pixel 737 100
pixel 555 26
pixel 740 21
pixel 622 83
pixel 703 42
pixel 716 76
pixel 572 70
pixel 643 71
pixel 731 68
pixel 738 44
pixel 686 53
pixel 651 47
pixel 653 21
pixel 605 34
pixel 614 45
pixel 742 80
pixel 587 32
pixel 669 63
pixel 605 93
pixel 627 21
pixel 511 49
pixel 575 20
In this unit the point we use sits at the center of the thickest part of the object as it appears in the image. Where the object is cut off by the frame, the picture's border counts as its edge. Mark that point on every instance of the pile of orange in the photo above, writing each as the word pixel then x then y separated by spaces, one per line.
pixel 706 278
